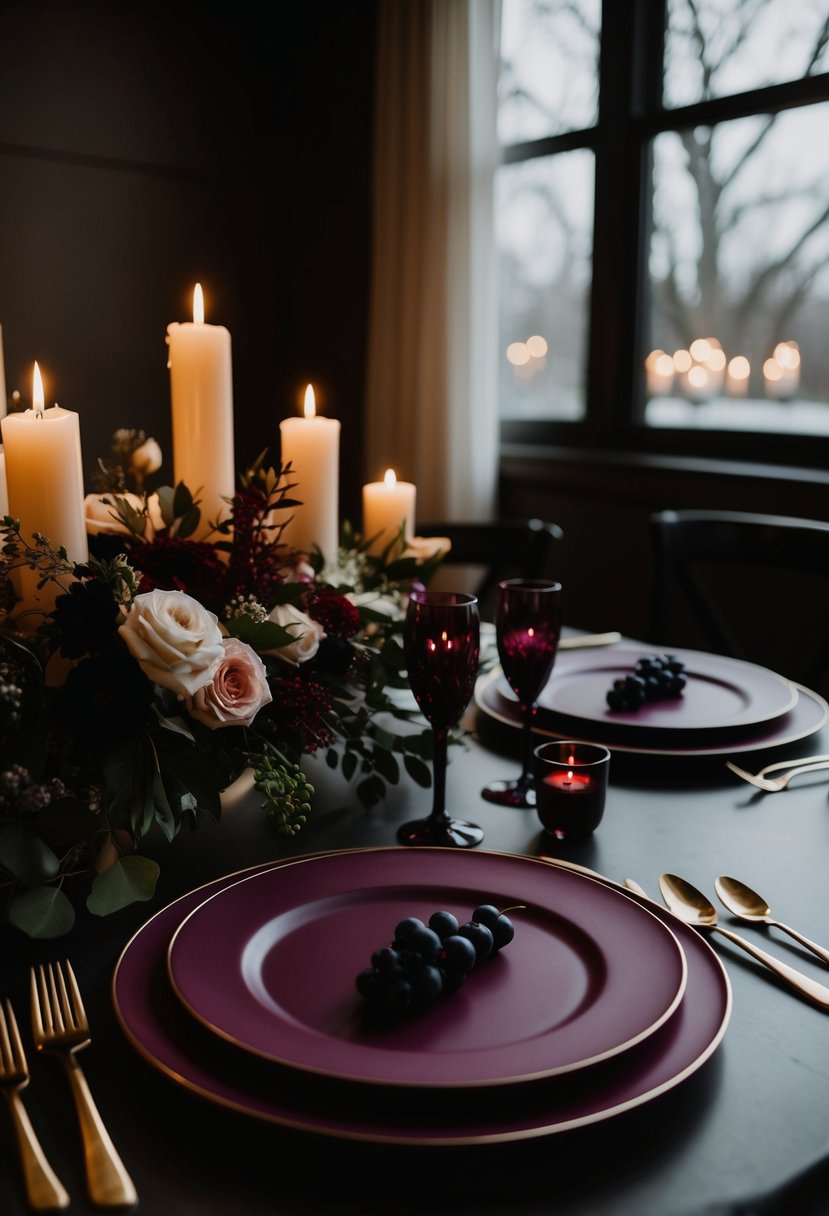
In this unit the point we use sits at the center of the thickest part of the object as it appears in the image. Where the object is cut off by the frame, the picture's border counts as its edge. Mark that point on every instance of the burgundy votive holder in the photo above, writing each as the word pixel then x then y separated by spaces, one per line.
pixel 571 785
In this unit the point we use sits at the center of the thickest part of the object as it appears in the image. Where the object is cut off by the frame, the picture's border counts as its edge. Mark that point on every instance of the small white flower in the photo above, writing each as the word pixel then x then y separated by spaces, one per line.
pixel 146 458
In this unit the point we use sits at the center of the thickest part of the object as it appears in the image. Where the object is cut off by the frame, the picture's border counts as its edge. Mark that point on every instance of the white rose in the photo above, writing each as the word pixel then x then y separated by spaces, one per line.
pixel 308 633
pixel 146 458
pixel 102 516
pixel 175 640
pixel 236 693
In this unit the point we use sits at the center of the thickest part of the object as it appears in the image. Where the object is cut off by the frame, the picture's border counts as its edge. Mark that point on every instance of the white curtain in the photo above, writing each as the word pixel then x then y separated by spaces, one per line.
pixel 431 411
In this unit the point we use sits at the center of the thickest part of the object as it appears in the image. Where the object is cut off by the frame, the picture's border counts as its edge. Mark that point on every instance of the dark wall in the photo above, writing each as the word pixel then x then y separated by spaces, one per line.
pixel 145 147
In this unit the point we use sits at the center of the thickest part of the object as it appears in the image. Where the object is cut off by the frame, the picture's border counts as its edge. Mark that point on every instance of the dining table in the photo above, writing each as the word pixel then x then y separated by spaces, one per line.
pixel 743 1129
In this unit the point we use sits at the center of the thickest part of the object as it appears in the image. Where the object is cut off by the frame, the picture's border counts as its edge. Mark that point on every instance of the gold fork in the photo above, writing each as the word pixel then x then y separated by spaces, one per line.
pixel 773 785
pixel 43 1189
pixel 59 1025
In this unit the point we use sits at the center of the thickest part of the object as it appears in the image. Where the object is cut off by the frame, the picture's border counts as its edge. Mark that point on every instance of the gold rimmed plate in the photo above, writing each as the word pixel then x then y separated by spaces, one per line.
pixel 269 964
pixel 169 1040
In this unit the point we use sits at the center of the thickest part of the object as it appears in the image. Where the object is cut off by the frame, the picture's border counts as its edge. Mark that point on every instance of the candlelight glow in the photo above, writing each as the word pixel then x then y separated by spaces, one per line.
pixel 701 349
pixel 682 360
pixel 697 377
pixel 663 365
pixel 390 479
pixel 787 354
pixel 310 403
pixel 537 346
pixel 37 392
pixel 739 368
pixel 772 370
pixel 198 305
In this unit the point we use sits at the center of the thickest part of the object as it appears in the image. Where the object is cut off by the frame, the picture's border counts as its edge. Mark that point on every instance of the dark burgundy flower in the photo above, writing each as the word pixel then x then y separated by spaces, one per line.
pixel 337 615
pixel 84 618
pixel 105 698
pixel 297 713
pixel 169 564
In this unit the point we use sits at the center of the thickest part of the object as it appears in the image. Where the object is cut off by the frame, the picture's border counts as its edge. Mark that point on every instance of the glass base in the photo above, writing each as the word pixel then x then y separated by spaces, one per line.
pixel 455 833
pixel 516 793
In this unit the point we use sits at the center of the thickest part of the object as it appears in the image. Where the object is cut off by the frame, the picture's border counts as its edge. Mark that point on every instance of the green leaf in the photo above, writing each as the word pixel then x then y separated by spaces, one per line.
pixel 331 757
pixel 24 855
pixel 188 523
pixel 182 501
pixel 43 912
pixel 261 635
pixel 127 785
pixel 127 881
pixel 386 765
pixel 371 791
pixel 164 816
pixel 418 771
pixel 166 495
pixel 349 765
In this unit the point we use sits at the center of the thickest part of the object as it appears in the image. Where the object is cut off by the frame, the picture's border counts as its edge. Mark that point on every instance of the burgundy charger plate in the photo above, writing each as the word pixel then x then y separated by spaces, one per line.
pixel 270 962
pixel 808 715
pixel 164 1034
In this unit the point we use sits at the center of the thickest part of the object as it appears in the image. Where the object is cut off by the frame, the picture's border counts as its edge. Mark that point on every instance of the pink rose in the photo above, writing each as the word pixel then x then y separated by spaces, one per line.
pixel 236 693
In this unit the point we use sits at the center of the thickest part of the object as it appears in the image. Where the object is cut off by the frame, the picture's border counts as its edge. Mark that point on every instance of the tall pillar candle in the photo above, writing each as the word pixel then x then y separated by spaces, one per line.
pixel 201 393
pixel 312 446
pixel 44 475
pixel 388 506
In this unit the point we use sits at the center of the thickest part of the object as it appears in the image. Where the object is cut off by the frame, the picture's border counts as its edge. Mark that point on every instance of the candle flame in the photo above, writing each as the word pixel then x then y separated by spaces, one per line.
pixel 310 403
pixel 198 305
pixel 37 392
pixel 570 775
pixel 390 479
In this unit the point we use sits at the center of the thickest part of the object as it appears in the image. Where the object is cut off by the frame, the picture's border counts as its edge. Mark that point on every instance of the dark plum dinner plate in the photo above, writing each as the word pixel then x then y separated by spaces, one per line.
pixel 721 694
pixel 167 1038
pixel 269 964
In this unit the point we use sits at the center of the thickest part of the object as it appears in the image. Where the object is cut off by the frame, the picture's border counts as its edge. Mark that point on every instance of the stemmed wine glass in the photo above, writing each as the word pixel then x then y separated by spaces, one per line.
pixel 527 627
pixel 441 641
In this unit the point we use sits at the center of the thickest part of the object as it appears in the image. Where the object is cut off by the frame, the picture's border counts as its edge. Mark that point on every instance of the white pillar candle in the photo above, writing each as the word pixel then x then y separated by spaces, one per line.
pixel 201 393
pixel 312 447
pixel 44 474
pixel 388 506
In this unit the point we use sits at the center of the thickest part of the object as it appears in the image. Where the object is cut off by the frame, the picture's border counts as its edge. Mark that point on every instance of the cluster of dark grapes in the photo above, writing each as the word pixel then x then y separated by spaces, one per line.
pixel 656 678
pixel 424 961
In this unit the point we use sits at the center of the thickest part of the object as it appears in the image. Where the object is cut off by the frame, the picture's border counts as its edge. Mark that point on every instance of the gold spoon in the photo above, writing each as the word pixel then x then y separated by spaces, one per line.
pixel 741 901
pixel 690 905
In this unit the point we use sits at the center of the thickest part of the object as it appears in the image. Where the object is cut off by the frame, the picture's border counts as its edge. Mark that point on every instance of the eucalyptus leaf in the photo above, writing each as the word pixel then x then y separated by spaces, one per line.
pixel 349 765
pixel 43 912
pixel 386 765
pixel 418 771
pixel 371 791
pixel 129 880
pixel 23 855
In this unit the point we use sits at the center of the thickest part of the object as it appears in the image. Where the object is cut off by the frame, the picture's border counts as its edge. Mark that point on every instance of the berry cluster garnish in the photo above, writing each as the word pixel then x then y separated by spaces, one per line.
pixel 425 961
pixel 656 678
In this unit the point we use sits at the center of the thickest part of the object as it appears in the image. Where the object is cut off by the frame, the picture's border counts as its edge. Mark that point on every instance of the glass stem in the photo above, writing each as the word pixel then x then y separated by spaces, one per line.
pixel 525 779
pixel 441 735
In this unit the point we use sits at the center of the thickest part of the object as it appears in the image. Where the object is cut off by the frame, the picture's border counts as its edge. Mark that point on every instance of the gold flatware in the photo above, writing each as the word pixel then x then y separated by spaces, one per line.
pixel 743 902
pixel 586 640
pixel 773 785
pixel 690 905
pixel 59 1025
pixel 44 1190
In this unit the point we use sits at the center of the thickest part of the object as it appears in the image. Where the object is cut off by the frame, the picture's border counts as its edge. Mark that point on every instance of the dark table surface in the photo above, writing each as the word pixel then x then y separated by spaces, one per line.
pixel 754 1117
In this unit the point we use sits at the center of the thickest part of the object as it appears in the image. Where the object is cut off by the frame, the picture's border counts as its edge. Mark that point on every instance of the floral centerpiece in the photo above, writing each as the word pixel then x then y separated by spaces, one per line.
pixel 171 665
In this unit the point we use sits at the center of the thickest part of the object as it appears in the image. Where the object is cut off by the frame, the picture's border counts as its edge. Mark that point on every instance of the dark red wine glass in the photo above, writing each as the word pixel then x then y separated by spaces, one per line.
pixel 528 628
pixel 441 641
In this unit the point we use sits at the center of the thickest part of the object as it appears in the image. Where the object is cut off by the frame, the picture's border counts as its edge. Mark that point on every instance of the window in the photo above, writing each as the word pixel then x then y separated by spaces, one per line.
pixel 662 219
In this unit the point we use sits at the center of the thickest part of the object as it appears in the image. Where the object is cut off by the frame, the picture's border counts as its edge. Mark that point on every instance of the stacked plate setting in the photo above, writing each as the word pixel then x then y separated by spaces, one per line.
pixel 244 992
pixel 728 706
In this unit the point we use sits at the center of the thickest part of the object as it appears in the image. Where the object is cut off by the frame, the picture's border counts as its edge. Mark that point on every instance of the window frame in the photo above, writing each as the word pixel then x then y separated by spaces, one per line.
pixel 630 115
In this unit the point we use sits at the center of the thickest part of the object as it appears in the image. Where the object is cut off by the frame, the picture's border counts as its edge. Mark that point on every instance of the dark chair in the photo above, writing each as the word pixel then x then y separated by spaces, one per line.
pixel 502 548
pixel 751 586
